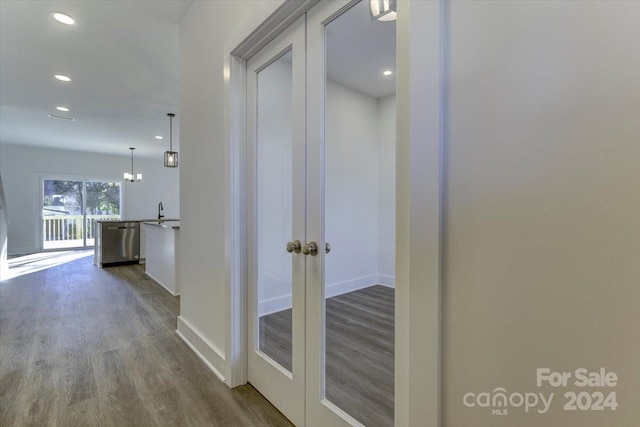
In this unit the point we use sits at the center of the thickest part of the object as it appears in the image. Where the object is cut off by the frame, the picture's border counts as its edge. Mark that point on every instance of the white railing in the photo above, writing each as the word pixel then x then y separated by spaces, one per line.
pixel 66 228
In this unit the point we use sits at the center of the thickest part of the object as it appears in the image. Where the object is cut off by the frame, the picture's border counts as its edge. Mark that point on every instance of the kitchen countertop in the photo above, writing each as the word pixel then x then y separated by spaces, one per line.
pixel 156 223
pixel 139 220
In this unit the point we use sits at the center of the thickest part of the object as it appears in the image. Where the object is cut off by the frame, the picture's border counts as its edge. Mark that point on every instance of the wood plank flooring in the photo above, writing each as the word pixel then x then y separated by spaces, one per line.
pixel 360 351
pixel 83 346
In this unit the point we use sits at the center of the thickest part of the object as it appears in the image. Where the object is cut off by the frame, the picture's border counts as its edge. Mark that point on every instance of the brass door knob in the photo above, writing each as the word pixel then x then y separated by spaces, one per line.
pixel 294 246
pixel 310 248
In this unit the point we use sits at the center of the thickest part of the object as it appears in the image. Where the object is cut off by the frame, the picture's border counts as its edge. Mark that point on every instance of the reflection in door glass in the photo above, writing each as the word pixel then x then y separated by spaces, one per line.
pixel 274 210
pixel 360 215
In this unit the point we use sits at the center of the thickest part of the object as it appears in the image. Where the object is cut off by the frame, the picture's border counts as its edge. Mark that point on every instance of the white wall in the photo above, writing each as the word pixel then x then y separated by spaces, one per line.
pixel 208 33
pixel 4 265
pixel 351 189
pixel 23 167
pixel 386 121
pixel 274 185
pixel 542 240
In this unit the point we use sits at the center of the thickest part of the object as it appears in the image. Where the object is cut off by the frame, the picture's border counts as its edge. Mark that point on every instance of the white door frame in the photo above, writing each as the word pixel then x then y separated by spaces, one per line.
pixel 420 160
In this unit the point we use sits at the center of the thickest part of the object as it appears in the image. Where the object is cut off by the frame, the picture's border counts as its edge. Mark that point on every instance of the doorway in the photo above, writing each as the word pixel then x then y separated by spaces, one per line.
pixel 70 208
pixel 321 218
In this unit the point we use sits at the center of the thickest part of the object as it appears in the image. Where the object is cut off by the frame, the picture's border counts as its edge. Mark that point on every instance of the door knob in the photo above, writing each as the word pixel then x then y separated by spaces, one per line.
pixel 294 246
pixel 310 248
pixel 327 248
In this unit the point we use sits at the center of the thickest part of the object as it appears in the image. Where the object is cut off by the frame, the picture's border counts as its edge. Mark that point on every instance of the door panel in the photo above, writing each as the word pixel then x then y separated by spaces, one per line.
pixel 314 178
pixel 359 172
pixel 341 177
pixel 276 151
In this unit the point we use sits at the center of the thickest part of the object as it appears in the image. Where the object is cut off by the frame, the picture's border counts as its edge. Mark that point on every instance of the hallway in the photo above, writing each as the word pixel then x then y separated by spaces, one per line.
pixel 86 346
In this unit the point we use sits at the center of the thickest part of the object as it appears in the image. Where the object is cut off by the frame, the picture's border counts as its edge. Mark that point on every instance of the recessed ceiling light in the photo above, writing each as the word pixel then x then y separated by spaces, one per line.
pixel 53 116
pixel 159 137
pixel 65 109
pixel 62 78
pixel 387 72
pixel 63 18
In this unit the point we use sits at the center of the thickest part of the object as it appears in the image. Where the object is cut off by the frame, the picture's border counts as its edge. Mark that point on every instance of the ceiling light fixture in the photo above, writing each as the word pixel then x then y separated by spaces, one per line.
pixel 171 157
pixel 159 137
pixel 63 18
pixel 62 78
pixel 130 176
pixel 65 109
pixel 382 10
pixel 387 72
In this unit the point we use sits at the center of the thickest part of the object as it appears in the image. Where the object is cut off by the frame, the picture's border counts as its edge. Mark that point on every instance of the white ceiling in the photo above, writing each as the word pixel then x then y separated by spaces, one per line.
pixel 359 50
pixel 123 59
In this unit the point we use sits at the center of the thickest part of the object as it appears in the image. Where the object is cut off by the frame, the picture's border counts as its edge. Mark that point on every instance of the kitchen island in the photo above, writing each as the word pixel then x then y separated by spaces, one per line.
pixel 161 238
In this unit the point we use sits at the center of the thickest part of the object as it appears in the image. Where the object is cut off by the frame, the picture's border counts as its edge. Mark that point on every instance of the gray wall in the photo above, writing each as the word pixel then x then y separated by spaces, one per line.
pixel 542 249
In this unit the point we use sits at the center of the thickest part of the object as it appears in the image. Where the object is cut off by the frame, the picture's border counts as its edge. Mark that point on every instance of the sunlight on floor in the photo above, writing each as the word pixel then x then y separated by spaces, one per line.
pixel 27 264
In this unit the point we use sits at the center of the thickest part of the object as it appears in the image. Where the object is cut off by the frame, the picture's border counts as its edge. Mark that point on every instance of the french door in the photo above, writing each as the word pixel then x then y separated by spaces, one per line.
pixel 292 171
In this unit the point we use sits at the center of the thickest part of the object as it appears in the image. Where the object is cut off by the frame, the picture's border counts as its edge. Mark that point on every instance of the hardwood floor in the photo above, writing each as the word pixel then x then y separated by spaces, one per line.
pixel 83 346
pixel 360 351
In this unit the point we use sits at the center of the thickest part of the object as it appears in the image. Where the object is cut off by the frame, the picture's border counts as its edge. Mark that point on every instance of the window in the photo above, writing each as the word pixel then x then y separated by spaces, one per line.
pixel 71 207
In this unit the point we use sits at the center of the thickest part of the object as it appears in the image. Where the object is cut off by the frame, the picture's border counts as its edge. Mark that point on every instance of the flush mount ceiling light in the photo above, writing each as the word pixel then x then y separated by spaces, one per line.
pixel 171 157
pixel 382 10
pixel 159 137
pixel 62 78
pixel 63 18
pixel 65 109
pixel 387 73
pixel 130 176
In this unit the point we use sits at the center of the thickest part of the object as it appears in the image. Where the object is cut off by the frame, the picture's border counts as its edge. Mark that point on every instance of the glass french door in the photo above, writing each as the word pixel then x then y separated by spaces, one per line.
pixel 321 234
pixel 276 215
pixel 71 207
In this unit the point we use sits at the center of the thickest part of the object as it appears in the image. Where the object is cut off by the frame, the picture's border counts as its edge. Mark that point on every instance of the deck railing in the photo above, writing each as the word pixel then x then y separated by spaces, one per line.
pixel 64 228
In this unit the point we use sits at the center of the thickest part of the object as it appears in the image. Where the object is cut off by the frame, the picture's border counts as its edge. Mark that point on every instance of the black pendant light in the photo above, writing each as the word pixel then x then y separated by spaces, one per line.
pixel 171 157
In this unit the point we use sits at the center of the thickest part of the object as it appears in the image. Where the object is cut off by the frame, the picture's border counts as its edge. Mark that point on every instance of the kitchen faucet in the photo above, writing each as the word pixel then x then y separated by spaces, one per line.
pixel 160 211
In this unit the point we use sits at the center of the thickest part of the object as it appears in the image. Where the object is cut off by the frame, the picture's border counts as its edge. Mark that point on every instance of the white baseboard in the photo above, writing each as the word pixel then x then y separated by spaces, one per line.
pixel 347 286
pixel 22 251
pixel 275 305
pixel 202 347
pixel 388 281
pixel 161 284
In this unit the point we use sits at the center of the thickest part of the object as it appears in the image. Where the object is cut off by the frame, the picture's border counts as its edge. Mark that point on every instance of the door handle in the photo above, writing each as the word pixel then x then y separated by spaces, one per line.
pixel 310 248
pixel 294 246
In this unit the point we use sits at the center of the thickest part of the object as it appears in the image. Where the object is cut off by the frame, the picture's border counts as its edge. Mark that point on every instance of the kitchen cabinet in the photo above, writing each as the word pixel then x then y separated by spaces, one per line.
pixel 161 253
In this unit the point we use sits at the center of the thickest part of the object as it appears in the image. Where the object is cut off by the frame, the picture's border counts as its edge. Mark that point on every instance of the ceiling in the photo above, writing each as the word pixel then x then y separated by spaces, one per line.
pixel 123 59
pixel 359 50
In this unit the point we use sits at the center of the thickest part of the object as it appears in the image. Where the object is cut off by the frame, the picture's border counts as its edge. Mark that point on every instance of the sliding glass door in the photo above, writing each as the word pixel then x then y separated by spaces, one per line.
pixel 71 207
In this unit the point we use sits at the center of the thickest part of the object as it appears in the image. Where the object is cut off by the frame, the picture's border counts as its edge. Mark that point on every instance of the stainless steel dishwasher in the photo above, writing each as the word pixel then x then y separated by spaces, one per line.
pixel 117 242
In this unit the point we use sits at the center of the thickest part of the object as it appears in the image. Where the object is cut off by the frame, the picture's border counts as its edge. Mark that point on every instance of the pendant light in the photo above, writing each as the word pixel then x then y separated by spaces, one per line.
pixel 171 157
pixel 382 10
pixel 130 176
